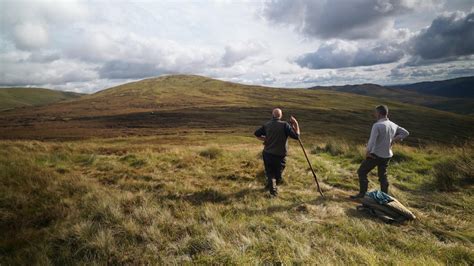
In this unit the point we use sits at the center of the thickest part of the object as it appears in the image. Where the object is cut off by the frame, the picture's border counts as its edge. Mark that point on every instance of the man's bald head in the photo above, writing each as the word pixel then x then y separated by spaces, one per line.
pixel 277 113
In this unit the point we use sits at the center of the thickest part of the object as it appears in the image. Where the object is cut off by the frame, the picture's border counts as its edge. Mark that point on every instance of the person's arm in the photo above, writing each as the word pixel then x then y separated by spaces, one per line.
pixel 260 133
pixel 400 134
pixel 371 144
pixel 293 130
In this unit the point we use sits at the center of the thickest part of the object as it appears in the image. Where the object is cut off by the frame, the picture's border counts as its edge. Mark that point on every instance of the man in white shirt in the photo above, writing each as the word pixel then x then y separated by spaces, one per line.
pixel 379 150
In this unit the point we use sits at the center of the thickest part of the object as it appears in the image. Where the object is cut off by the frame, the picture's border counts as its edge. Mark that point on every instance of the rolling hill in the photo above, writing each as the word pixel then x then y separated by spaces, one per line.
pixel 185 103
pixel 20 97
pixel 418 94
pixel 452 88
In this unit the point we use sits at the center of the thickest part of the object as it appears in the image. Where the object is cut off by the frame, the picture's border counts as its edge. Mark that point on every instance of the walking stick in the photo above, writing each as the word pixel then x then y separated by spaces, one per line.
pixel 311 167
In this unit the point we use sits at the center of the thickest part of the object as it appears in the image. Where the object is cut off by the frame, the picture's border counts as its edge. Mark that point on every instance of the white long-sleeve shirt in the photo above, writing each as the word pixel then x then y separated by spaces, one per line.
pixel 381 137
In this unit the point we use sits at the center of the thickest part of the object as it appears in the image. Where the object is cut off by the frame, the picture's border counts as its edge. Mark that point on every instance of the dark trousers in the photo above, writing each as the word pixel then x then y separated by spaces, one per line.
pixel 274 166
pixel 366 166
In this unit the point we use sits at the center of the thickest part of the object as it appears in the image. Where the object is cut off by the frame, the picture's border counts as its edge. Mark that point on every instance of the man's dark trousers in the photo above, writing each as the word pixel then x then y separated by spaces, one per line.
pixel 274 166
pixel 366 166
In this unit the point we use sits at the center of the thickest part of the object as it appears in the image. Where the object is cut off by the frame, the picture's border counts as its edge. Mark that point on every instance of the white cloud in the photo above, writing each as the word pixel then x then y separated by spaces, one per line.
pixel 238 52
pixel 88 45
pixel 29 36
pixel 23 73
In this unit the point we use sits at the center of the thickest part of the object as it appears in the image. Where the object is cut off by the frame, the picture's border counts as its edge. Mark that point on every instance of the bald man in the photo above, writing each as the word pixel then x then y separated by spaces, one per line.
pixel 274 135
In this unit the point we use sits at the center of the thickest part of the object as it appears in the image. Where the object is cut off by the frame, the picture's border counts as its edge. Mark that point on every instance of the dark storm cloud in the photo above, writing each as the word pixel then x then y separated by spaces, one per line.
pixel 343 19
pixel 118 69
pixel 447 38
pixel 339 55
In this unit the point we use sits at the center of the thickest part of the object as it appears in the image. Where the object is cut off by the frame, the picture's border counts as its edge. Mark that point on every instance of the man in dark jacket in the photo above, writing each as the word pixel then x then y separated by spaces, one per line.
pixel 274 135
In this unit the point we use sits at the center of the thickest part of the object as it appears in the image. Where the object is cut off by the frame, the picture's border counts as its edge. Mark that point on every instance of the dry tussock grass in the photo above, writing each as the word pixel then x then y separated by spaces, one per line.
pixel 129 202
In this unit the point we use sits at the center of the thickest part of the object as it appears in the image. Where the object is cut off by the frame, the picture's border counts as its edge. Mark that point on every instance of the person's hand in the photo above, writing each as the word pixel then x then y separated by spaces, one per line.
pixel 368 155
pixel 293 120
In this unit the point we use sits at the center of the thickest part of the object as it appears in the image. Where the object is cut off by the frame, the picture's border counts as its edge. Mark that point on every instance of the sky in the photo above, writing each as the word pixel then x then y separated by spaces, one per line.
pixel 87 46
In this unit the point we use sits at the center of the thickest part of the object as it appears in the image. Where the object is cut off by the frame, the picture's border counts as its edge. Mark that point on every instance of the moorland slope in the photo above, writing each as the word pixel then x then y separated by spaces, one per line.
pixel 22 97
pixel 187 103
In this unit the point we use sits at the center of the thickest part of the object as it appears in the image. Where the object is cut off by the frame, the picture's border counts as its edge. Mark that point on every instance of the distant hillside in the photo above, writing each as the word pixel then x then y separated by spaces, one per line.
pixel 408 95
pixel 182 104
pixel 453 88
pixel 373 90
pixel 18 97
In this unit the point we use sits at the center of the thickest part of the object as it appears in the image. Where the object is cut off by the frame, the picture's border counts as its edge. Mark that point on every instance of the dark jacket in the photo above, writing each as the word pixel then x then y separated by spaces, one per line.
pixel 276 134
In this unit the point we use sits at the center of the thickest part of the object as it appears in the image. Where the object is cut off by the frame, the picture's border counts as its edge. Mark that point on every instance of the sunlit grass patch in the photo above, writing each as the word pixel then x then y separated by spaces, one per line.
pixel 212 152
pixel 181 207
pixel 454 171
pixel 84 159
pixel 133 161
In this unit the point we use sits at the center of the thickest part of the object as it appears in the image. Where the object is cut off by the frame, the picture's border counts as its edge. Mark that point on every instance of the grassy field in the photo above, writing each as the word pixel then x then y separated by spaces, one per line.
pixel 199 198
pixel 11 98
pixel 166 170
pixel 184 103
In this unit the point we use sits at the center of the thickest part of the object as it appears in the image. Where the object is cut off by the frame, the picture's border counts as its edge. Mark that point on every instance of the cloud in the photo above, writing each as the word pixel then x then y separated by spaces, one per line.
pixel 87 45
pixel 407 74
pixel 29 36
pixel 342 19
pixel 118 69
pixel 448 37
pixel 43 57
pixel 240 51
pixel 28 23
pixel 341 54
pixel 56 72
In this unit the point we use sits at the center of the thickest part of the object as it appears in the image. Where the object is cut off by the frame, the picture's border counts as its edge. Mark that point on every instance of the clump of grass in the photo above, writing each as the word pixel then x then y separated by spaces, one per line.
pixel 335 148
pixel 199 245
pixel 401 155
pixel 330 147
pixel 85 159
pixel 454 172
pixel 212 152
pixel 133 160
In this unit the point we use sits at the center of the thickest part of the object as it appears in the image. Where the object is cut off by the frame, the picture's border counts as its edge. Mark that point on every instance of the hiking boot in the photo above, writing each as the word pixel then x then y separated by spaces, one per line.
pixel 358 196
pixel 273 188
pixel 273 194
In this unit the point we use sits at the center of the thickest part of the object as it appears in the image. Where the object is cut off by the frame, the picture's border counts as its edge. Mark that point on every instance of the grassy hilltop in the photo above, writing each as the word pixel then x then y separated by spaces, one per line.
pixel 166 171
pixel 185 103
pixel 22 97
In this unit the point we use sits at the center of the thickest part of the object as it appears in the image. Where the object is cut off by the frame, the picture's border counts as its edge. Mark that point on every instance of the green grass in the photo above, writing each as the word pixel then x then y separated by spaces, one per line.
pixel 194 104
pixel 199 199
pixel 20 97
pixel 455 170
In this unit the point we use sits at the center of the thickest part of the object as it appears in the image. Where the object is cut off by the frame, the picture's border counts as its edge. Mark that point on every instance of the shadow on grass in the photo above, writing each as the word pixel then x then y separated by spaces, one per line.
pixel 210 195
pixel 293 207
pixel 354 213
